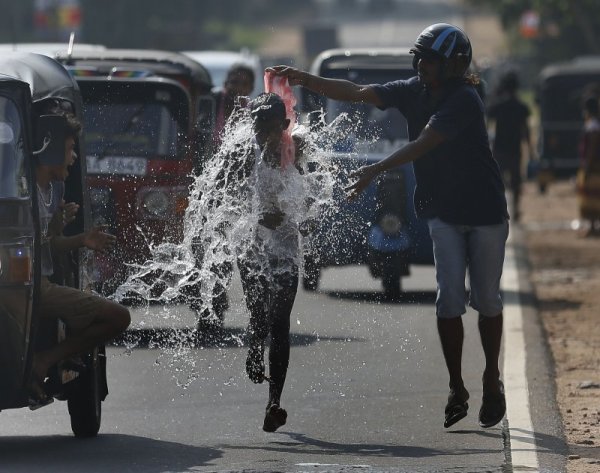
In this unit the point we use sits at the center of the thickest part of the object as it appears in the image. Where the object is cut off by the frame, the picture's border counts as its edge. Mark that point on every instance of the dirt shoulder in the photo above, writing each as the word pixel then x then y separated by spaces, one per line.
pixel 565 272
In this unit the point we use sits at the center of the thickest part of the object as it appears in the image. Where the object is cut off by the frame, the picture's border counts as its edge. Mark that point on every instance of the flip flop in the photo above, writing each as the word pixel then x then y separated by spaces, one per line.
pixel 37 396
pixel 493 408
pixel 456 409
pixel 454 413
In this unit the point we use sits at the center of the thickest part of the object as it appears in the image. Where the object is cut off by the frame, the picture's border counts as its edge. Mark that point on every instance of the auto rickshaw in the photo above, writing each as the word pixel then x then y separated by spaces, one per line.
pixel 149 117
pixel 562 89
pixel 27 82
pixel 379 228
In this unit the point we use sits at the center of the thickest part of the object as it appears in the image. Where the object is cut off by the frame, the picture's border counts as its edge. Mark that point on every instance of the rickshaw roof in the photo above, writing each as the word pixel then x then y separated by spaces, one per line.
pixel 363 58
pixel 46 78
pixel 577 66
pixel 155 61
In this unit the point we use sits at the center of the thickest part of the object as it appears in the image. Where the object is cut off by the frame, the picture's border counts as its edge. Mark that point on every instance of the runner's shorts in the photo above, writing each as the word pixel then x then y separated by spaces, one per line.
pixel 478 249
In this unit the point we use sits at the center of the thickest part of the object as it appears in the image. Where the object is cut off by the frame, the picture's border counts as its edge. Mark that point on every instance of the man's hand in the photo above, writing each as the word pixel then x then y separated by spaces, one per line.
pixel 272 220
pixel 62 217
pixel 98 240
pixel 294 76
pixel 363 177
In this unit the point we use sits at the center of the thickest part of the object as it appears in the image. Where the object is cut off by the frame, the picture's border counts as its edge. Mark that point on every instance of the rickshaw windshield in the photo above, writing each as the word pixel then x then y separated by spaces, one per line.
pixel 368 122
pixel 13 182
pixel 561 96
pixel 134 120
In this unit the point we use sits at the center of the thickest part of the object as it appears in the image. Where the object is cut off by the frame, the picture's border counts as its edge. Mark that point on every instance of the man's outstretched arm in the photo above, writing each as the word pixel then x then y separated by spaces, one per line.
pixel 336 89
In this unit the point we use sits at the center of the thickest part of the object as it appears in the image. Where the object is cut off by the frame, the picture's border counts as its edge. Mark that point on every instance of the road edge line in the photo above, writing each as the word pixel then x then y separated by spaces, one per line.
pixel 519 426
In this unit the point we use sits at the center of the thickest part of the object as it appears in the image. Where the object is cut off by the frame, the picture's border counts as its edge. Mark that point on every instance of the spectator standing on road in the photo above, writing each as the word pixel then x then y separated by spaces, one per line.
pixel 510 115
pixel 459 191
pixel 91 320
pixel 238 85
pixel 588 176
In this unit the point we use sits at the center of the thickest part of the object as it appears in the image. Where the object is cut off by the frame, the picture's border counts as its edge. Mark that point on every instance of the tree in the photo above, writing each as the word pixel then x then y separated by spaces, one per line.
pixel 567 28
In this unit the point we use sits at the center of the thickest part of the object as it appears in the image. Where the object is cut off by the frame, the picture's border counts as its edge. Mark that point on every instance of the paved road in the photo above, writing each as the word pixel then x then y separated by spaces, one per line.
pixel 366 390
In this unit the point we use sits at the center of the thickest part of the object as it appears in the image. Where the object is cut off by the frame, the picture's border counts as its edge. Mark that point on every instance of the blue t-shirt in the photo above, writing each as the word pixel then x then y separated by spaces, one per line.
pixel 459 181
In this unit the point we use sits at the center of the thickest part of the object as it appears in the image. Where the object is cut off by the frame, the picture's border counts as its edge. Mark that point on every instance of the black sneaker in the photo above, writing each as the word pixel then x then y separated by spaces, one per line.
pixel 275 417
pixel 255 365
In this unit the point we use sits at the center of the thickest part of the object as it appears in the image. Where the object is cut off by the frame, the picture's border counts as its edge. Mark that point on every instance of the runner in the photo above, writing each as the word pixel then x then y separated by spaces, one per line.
pixel 269 190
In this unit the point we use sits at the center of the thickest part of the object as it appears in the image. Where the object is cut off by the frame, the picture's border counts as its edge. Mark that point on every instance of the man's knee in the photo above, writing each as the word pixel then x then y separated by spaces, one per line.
pixel 118 316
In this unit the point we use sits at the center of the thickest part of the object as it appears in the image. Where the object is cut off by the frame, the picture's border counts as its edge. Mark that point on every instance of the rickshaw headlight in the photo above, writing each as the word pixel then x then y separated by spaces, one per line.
pixel 390 224
pixel 155 203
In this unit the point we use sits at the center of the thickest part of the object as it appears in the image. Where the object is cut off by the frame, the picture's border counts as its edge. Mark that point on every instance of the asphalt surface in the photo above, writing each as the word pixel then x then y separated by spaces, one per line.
pixel 366 391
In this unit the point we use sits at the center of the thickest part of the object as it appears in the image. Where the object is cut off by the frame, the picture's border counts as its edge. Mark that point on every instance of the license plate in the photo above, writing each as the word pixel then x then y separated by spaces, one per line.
pixel 116 165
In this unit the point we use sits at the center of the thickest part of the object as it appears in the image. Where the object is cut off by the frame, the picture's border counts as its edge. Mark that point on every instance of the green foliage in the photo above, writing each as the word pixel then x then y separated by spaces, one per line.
pixel 568 28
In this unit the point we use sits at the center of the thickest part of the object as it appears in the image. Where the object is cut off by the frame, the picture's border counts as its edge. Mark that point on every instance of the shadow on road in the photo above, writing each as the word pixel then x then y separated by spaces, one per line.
pixel 217 338
pixel 108 452
pixel 407 297
pixel 305 445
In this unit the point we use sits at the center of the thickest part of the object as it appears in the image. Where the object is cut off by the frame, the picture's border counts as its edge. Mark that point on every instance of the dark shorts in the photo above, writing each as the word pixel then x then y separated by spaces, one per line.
pixel 76 308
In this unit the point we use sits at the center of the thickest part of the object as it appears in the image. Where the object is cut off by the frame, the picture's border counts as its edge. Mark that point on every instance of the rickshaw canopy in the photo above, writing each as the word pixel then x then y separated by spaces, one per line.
pixel 47 79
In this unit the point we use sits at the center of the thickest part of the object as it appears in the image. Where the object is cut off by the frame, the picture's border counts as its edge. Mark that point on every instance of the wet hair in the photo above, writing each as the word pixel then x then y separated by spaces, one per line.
pixel 591 106
pixel 240 68
pixel 267 106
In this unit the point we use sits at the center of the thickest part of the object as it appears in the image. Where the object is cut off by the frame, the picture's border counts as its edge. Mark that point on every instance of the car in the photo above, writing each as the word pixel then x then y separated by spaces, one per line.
pixel 219 62
pixel 380 228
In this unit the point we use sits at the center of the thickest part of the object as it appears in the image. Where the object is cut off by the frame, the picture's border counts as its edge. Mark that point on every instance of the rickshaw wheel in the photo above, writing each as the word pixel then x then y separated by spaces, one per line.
pixel 392 284
pixel 312 274
pixel 85 400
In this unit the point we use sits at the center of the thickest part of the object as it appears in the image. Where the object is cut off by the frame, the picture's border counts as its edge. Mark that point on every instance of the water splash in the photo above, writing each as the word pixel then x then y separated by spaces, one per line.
pixel 221 226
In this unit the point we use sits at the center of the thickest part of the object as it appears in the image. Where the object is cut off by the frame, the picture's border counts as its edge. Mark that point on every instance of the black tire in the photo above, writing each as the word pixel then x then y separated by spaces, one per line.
pixel 312 274
pixel 392 283
pixel 85 398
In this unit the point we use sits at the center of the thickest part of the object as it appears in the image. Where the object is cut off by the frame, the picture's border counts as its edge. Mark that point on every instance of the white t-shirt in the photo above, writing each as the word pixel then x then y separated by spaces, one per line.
pixel 275 189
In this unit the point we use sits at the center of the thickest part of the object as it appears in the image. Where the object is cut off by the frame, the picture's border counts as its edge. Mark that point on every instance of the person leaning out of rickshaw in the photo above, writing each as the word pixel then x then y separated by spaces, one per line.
pixel 91 320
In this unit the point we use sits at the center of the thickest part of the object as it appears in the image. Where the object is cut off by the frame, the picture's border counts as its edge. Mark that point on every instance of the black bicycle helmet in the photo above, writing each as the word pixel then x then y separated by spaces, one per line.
pixel 445 41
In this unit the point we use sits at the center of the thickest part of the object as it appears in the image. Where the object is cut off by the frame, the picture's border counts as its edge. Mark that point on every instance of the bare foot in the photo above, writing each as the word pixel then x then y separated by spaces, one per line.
pixel 39 371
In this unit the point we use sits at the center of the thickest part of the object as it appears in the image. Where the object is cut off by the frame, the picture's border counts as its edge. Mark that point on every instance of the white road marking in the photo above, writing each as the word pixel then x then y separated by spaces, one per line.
pixel 523 447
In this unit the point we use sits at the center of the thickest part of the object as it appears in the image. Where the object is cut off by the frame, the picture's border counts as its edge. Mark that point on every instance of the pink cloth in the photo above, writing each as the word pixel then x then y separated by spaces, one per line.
pixel 279 85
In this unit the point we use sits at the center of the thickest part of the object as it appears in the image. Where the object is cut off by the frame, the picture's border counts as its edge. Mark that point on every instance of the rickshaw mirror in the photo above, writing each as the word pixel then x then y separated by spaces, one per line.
pixel 7 134
pixel 50 136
